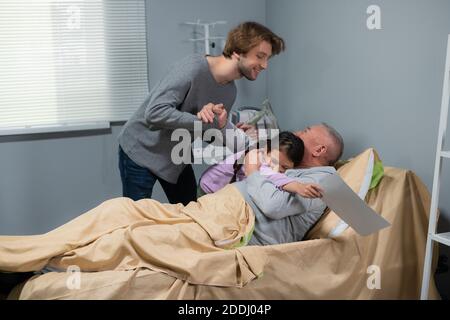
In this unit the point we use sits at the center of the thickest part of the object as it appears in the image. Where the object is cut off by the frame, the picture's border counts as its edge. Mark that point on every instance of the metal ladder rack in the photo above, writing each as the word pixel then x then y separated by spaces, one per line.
pixel 443 238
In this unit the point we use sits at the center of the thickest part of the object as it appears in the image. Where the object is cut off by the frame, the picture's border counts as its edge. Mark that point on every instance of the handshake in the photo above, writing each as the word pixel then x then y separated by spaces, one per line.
pixel 211 111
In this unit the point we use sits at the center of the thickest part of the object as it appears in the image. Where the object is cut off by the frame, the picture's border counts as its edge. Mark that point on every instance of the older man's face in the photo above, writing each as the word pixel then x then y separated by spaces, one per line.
pixel 314 139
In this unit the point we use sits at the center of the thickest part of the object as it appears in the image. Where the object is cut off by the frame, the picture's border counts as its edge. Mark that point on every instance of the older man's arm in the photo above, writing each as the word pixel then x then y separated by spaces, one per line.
pixel 278 204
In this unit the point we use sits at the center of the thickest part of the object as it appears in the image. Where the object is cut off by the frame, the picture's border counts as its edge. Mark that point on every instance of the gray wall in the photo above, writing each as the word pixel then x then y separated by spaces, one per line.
pixel 379 88
pixel 48 179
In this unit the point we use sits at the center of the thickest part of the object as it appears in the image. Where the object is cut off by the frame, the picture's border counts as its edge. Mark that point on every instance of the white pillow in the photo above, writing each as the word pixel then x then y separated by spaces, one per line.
pixel 341 226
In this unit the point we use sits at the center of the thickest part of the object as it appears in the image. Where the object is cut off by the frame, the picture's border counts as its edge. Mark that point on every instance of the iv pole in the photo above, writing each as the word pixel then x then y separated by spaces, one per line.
pixel 206 30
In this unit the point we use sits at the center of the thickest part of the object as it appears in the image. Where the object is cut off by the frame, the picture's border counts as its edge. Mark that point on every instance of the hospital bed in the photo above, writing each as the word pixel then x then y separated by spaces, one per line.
pixel 333 262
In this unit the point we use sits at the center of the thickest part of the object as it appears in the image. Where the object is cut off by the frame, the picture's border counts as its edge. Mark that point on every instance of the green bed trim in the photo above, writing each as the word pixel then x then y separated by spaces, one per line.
pixel 378 172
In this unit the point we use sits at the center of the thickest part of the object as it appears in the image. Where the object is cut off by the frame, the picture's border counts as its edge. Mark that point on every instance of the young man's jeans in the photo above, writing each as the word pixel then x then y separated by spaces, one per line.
pixel 138 182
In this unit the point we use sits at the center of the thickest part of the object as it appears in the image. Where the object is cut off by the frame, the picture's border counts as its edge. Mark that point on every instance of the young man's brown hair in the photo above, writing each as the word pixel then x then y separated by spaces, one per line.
pixel 247 35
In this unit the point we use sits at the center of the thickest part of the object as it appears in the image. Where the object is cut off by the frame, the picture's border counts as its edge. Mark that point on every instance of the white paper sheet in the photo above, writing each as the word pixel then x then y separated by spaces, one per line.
pixel 349 207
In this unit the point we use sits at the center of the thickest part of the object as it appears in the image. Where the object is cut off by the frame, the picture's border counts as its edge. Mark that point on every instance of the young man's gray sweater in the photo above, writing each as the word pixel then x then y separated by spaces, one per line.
pixel 173 103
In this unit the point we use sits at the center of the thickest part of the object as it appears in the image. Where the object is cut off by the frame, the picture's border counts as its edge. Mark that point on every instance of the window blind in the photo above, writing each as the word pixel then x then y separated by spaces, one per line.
pixel 70 63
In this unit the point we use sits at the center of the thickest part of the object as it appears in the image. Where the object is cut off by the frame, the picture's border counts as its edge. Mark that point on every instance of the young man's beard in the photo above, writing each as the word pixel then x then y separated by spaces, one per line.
pixel 245 72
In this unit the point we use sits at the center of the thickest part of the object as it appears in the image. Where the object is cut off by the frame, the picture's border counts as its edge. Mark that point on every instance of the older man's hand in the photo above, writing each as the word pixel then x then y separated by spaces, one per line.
pixel 250 130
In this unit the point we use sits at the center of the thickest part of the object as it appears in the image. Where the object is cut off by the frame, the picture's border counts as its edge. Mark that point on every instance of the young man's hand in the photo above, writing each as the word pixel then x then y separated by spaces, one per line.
pixel 221 114
pixel 212 110
pixel 206 114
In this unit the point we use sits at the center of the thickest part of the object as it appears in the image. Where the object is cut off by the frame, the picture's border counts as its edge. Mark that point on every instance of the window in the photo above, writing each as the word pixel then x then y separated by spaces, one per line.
pixel 70 63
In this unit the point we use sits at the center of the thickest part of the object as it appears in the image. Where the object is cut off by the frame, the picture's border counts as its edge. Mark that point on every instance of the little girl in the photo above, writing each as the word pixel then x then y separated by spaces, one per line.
pixel 275 163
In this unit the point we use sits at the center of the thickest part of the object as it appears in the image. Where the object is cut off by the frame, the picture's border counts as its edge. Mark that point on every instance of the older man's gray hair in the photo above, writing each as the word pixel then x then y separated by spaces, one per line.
pixel 337 148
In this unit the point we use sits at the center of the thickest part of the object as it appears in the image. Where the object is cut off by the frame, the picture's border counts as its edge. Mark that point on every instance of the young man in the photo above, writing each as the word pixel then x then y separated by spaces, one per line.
pixel 188 93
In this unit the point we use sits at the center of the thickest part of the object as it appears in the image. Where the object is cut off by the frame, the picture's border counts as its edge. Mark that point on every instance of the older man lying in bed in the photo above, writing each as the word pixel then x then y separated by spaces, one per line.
pixel 122 234
pixel 283 217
